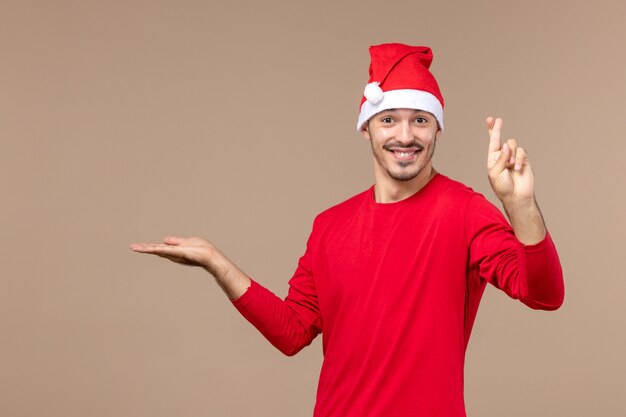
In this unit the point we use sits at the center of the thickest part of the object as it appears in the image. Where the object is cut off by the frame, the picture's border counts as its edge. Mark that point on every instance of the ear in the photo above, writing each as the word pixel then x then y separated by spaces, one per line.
pixel 365 131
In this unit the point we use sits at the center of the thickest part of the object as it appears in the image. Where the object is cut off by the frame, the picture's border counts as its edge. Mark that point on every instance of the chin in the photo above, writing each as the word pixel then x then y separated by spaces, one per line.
pixel 404 176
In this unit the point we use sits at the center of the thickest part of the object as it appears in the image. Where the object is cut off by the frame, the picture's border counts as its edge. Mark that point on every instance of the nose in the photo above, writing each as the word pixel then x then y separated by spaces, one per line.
pixel 406 134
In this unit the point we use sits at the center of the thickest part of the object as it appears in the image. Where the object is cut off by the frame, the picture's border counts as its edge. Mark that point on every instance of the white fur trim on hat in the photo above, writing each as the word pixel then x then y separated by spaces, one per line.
pixel 401 99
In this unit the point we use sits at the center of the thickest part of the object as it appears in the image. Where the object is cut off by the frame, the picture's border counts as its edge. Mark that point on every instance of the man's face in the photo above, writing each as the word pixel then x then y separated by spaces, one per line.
pixel 403 142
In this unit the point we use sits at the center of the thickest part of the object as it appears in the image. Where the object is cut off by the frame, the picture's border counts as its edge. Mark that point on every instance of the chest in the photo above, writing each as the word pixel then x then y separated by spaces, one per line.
pixel 381 259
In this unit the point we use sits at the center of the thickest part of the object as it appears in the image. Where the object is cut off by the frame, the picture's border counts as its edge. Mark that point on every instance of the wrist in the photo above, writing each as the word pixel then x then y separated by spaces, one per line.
pixel 233 281
pixel 215 261
pixel 519 205
pixel 526 220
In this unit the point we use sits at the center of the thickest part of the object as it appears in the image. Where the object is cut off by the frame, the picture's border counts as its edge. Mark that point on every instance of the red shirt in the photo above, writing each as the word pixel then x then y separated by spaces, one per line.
pixel 394 289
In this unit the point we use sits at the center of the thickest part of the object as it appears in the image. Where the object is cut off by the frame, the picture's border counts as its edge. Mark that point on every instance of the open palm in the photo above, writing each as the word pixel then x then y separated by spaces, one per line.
pixel 192 251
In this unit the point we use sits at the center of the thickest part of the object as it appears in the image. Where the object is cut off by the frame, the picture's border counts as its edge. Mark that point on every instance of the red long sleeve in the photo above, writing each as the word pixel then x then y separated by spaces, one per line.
pixel 394 290
pixel 291 324
pixel 545 288
pixel 530 273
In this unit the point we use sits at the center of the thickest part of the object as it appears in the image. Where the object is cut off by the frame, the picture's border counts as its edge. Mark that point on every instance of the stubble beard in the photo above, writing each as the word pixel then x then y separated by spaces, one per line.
pixel 402 175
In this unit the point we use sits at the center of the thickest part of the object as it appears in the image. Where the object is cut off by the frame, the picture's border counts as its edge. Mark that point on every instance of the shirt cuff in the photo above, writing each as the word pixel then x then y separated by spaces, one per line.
pixel 245 298
pixel 539 246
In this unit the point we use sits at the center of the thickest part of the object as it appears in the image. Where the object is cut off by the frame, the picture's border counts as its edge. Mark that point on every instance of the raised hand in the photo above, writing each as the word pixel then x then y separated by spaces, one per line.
pixel 508 168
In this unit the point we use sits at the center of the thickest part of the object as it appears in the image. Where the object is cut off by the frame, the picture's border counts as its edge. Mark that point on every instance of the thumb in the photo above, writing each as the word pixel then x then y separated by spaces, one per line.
pixel 173 240
pixel 505 154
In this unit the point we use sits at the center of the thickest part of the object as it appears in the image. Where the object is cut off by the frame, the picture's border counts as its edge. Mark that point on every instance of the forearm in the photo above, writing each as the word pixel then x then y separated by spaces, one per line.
pixel 280 321
pixel 524 262
pixel 290 323
pixel 544 287
pixel 287 324
pixel 526 220
pixel 232 280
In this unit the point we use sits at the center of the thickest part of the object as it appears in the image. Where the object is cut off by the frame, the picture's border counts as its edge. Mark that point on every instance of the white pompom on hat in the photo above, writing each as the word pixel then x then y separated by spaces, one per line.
pixel 400 78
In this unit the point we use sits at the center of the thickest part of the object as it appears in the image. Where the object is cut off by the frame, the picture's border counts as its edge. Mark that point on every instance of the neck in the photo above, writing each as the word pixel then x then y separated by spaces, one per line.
pixel 388 190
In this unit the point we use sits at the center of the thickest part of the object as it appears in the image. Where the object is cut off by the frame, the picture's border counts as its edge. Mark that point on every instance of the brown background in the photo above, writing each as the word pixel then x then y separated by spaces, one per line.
pixel 125 121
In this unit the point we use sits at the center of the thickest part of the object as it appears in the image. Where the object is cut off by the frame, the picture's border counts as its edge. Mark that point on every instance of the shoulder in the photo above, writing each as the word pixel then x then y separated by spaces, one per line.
pixel 453 192
pixel 452 198
pixel 454 186
pixel 476 213
pixel 346 208
pixel 339 214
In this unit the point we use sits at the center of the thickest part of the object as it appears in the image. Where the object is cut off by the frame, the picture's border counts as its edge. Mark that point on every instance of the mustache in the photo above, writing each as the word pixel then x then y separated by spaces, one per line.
pixel 398 145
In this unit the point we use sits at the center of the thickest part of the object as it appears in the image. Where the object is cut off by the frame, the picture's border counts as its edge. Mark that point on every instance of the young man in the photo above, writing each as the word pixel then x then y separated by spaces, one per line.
pixel 393 276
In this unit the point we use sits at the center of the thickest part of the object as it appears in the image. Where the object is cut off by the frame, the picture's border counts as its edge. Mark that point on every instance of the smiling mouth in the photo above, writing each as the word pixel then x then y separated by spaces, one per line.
pixel 405 154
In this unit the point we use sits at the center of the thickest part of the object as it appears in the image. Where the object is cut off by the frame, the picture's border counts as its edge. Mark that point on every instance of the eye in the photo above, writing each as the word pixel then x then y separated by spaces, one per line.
pixel 387 119
pixel 421 119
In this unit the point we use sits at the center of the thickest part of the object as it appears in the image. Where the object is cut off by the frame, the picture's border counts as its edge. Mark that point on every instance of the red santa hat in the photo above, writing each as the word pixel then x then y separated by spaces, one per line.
pixel 399 78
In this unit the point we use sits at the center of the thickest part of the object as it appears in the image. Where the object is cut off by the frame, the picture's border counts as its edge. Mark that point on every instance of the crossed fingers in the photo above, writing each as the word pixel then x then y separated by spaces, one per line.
pixel 506 156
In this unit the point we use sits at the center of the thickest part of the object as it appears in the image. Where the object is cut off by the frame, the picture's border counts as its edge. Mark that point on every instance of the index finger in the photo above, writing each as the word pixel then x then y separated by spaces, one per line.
pixel 494 126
